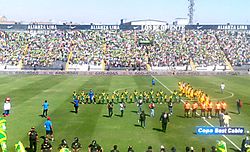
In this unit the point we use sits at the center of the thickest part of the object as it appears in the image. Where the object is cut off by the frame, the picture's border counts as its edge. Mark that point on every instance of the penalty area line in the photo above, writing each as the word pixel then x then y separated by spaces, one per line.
pixel 198 114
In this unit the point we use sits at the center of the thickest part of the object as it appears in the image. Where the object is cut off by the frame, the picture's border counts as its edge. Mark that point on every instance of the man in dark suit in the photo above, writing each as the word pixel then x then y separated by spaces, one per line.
pixel 164 119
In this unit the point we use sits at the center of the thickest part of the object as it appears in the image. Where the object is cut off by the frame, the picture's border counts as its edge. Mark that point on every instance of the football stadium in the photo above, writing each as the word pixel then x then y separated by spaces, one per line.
pixel 143 85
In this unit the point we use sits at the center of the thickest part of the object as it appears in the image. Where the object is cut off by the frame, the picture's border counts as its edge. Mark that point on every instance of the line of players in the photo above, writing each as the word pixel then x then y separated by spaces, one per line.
pixel 206 109
pixel 124 96
pixel 204 102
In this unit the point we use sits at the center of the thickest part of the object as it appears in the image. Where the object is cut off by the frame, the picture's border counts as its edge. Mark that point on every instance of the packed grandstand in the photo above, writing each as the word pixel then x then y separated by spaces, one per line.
pixel 117 49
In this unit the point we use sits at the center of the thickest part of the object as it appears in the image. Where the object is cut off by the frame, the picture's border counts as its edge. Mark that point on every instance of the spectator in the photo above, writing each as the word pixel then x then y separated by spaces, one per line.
pixel 33 139
pixel 245 145
pixel 115 149
pixel 7 107
pixel 191 149
pixel 63 144
pixel 173 149
pixel 76 146
pixel 94 147
pixel 130 149
pixel 150 149
pixel 203 149
pixel 226 119
pixel 162 149
pixel 46 146
pixel 213 149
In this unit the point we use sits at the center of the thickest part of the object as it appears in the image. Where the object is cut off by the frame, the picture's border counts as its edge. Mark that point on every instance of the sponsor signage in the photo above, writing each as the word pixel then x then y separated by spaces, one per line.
pixel 104 27
pixel 232 27
pixel 67 27
pixel 155 27
pixel 108 73
pixel 41 27
pixel 205 130
pixel 217 27
pixel 119 27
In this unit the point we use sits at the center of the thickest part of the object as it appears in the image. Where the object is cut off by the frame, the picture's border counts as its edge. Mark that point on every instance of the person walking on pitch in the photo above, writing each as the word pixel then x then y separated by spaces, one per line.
pixel 164 119
pixel 45 108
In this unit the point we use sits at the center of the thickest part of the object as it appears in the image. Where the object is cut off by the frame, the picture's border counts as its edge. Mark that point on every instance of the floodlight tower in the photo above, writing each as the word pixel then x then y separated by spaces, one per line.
pixel 191 11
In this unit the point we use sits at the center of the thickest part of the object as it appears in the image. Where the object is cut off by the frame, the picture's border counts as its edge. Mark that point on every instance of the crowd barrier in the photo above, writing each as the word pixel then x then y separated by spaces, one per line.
pixel 116 73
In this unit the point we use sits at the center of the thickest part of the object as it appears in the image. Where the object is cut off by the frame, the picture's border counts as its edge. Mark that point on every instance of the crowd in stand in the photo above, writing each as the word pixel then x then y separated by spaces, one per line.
pixel 11 46
pixel 235 46
pixel 33 49
pixel 203 48
pixel 126 49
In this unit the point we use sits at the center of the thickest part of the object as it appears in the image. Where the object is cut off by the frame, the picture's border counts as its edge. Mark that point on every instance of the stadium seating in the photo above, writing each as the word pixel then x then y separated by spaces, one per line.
pixel 235 46
pixel 125 50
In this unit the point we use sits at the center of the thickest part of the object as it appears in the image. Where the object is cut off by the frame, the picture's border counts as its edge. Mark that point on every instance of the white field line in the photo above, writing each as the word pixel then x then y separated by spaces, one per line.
pixel 198 114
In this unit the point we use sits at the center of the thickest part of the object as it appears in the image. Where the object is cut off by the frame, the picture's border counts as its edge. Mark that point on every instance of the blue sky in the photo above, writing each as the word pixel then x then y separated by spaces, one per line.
pixel 111 11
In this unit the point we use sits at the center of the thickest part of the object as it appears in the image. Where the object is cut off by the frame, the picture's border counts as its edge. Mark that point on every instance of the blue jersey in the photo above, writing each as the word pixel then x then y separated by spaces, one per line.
pixel 153 82
pixel 48 125
pixel 76 101
pixel 45 105
pixel 91 95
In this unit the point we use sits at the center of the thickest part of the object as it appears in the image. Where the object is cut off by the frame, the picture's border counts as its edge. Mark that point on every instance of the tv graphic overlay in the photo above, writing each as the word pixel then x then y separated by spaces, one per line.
pixel 207 130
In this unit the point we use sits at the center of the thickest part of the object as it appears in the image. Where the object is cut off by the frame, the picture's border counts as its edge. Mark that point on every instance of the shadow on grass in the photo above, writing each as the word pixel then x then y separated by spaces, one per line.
pixel 232 112
pixel 136 125
pixel 180 116
pixel 158 129
pixel 215 117
pixel 72 111
pixel 234 150
pixel 43 137
pixel 42 116
pixel 106 116
pixel 134 111
pixel 118 115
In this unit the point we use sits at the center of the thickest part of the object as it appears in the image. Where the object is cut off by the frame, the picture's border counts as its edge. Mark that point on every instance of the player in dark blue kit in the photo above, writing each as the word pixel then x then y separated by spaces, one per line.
pixel 91 96
pixel 153 82
pixel 76 104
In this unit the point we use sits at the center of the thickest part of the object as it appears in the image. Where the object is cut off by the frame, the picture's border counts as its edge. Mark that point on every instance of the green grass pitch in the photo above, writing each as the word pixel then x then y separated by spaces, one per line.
pixel 28 93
